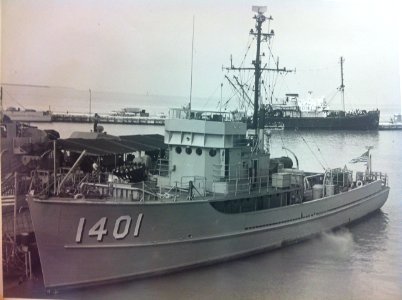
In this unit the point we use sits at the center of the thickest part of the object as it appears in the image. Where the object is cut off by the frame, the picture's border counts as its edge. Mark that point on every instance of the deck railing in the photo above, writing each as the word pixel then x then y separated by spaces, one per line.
pixel 101 185
pixel 379 176
pixel 189 188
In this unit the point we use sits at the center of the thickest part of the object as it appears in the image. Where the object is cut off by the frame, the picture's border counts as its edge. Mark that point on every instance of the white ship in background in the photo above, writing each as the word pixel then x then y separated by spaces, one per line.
pixel 131 112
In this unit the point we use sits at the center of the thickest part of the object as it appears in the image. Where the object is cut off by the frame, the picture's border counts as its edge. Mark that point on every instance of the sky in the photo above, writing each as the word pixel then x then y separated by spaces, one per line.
pixel 144 48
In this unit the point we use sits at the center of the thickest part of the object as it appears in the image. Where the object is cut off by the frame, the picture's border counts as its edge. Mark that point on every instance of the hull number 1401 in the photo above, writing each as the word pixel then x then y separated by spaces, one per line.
pixel 121 228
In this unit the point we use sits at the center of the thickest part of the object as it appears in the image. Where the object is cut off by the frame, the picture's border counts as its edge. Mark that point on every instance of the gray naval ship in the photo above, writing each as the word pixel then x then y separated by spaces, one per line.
pixel 217 195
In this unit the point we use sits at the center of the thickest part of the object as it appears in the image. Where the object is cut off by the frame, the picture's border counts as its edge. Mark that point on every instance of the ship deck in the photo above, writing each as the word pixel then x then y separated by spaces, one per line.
pixel 148 193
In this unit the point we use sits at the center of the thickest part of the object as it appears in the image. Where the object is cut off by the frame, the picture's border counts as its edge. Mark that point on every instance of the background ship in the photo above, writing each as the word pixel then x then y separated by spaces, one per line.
pixel 288 113
pixel 292 116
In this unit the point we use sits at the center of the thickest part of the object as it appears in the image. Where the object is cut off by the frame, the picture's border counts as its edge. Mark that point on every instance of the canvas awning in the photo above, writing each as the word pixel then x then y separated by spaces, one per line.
pixel 125 144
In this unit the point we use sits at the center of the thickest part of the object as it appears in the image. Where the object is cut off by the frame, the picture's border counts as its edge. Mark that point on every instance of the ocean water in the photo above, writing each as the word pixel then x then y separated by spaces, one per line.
pixel 363 261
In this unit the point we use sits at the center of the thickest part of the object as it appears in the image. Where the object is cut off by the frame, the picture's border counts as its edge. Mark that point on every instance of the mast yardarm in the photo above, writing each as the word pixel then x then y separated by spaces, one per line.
pixel 260 19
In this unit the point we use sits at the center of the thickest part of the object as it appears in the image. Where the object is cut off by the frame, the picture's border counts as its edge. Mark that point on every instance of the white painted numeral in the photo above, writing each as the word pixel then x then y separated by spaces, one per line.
pixel 99 229
pixel 80 229
pixel 121 228
pixel 116 229
pixel 138 225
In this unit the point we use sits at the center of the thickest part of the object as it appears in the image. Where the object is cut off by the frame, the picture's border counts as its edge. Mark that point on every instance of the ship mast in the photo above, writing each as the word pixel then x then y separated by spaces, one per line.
pixel 260 19
pixel 342 87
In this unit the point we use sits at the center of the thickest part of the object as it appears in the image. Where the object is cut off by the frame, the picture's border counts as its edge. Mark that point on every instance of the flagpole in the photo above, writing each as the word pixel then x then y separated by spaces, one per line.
pixel 369 159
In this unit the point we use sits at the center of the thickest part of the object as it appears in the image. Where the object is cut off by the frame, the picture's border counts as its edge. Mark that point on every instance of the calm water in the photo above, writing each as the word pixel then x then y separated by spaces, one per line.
pixel 363 261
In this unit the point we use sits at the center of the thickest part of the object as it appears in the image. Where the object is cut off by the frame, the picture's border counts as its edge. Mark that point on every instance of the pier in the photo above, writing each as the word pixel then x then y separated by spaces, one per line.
pixel 394 124
pixel 108 119
pixel 390 126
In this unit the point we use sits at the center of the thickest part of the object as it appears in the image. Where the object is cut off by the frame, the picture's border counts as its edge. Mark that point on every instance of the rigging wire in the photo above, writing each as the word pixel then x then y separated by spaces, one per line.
pixel 312 152
pixel 283 146
pixel 245 83
pixel 247 49
pixel 267 74
pixel 274 78
pixel 265 89
pixel 15 100
pixel 273 88
pixel 235 90
pixel 240 74
pixel 270 52
pixel 210 96
pixel 220 105
pixel 322 156
pixel 333 94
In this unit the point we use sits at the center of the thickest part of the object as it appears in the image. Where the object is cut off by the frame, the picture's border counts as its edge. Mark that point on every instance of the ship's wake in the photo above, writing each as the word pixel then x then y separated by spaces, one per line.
pixel 337 244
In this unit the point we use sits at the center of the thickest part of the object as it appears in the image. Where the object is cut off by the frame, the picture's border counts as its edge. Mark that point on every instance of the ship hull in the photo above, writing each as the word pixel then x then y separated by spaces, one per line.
pixel 164 237
pixel 368 121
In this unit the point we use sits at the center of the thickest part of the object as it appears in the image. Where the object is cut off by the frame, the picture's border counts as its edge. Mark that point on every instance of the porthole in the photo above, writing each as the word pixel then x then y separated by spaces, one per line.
pixel 178 150
pixel 188 151
pixel 212 152
pixel 198 151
